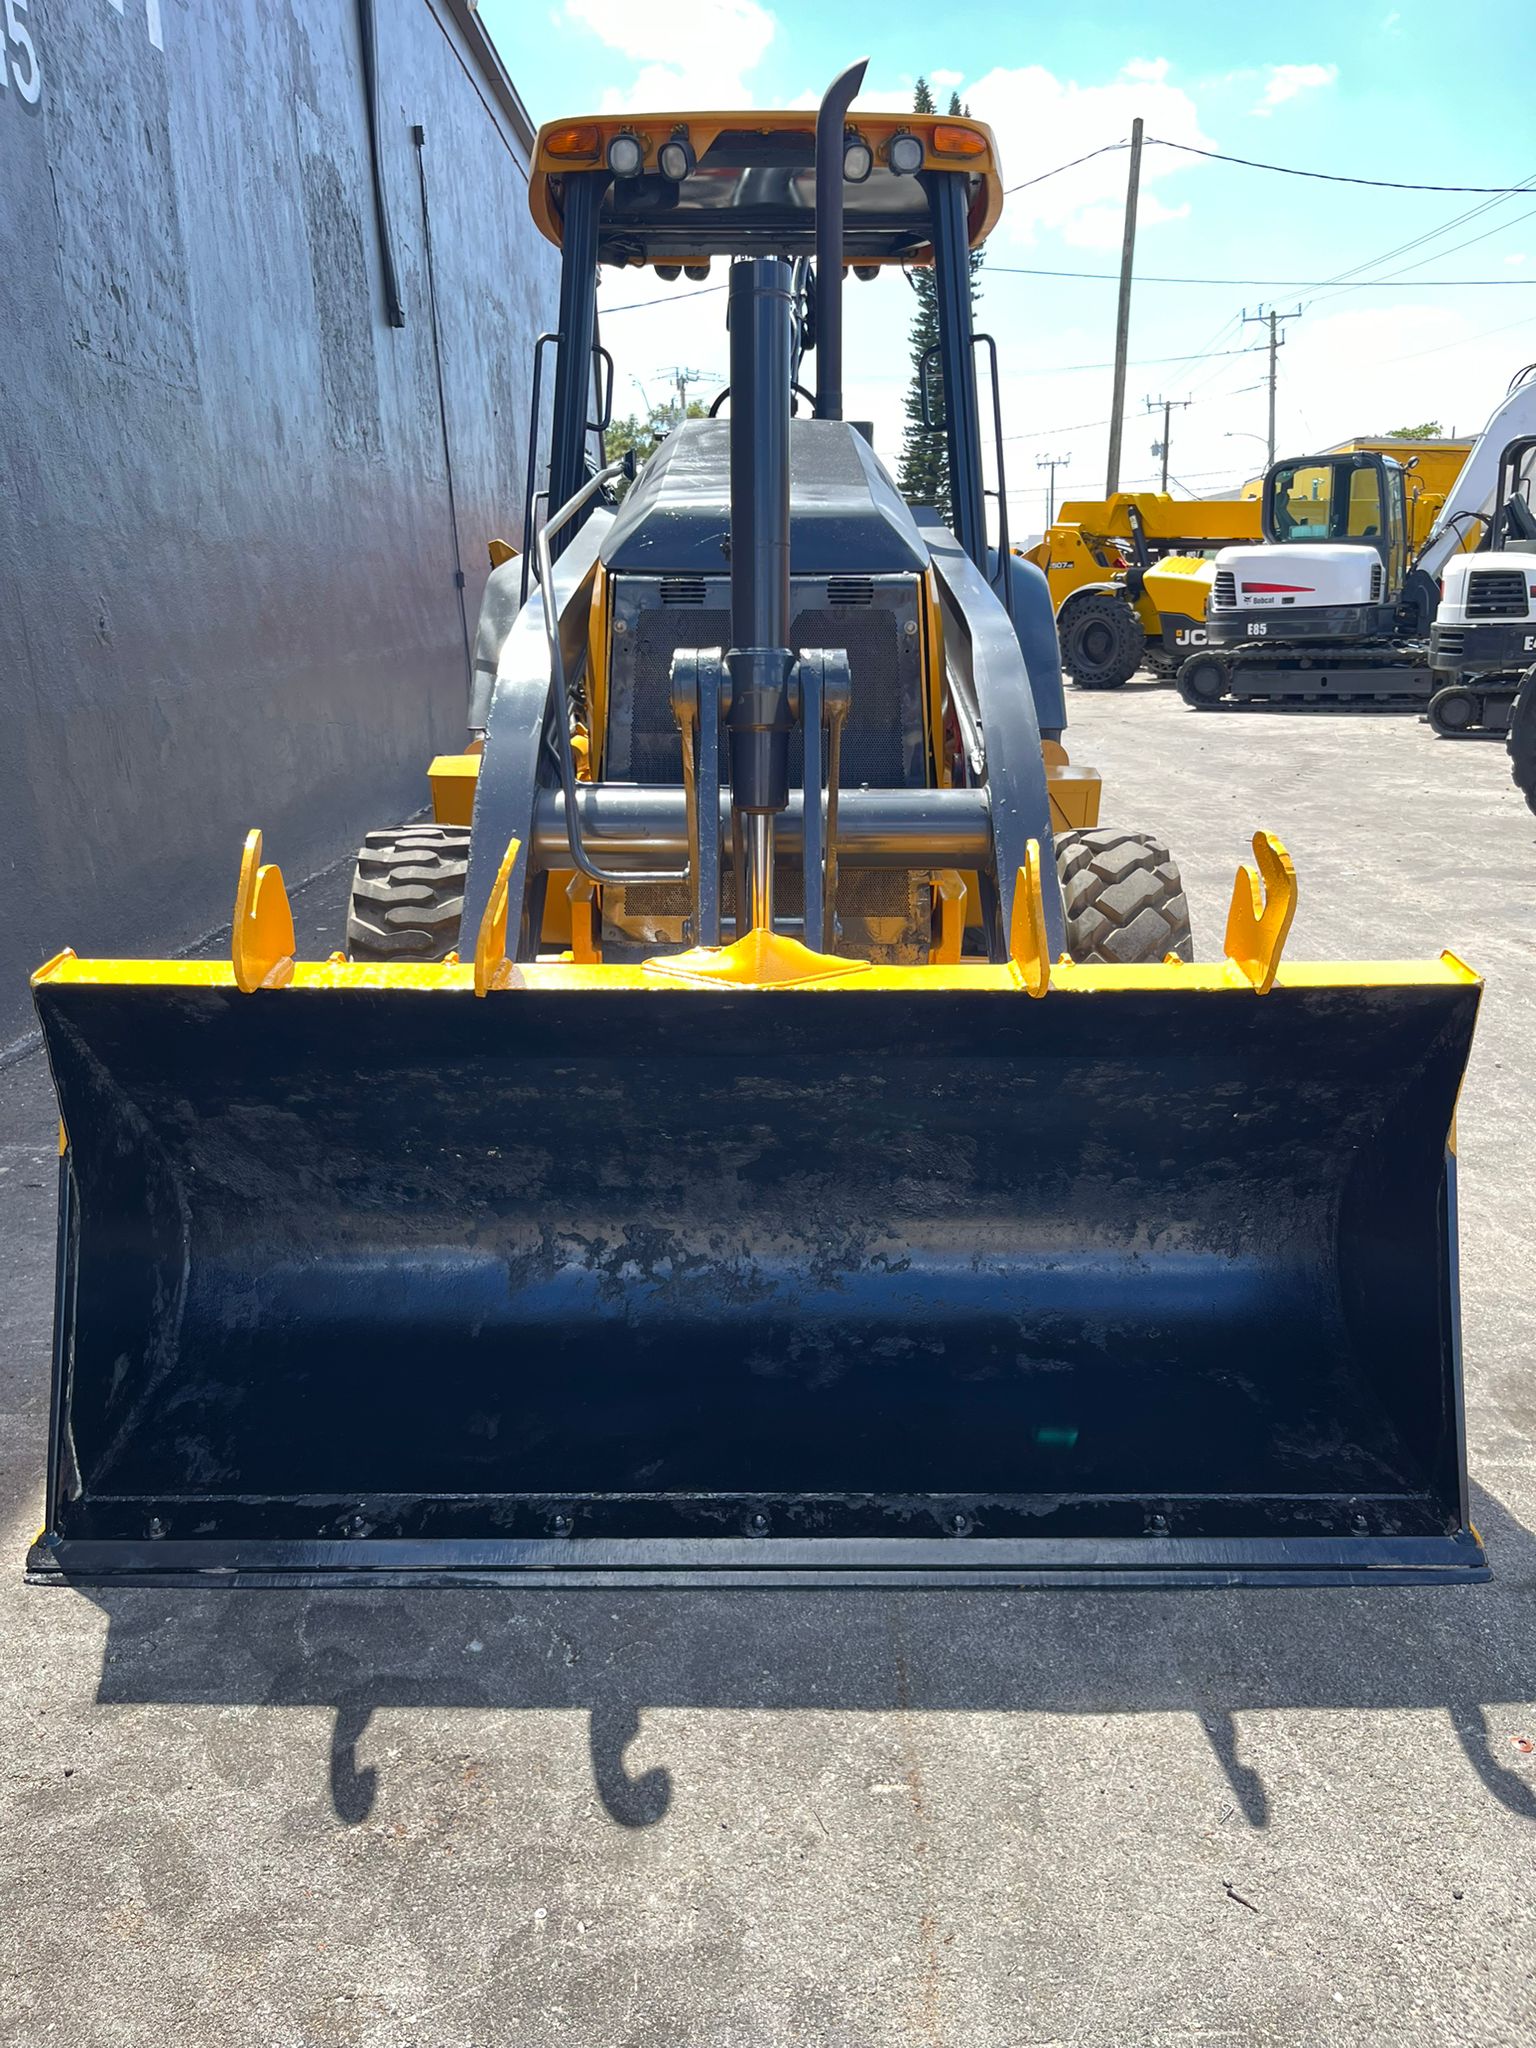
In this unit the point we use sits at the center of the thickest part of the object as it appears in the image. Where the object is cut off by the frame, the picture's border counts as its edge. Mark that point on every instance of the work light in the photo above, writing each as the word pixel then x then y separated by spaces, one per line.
pixel 905 154
pixel 675 158
pixel 625 156
pixel 858 159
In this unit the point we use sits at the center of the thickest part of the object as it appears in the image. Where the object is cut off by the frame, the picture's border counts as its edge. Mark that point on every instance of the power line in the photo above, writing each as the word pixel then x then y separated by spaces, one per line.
pixel 1429 235
pixel 1264 283
pixel 1041 176
pixel 697 291
pixel 1461 341
pixel 1329 177
pixel 1040 435
pixel 1498 228
pixel 1249 163
pixel 1136 363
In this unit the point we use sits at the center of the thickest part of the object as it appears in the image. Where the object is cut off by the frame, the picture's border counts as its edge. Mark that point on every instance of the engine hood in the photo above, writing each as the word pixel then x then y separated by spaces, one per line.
pixel 1319 572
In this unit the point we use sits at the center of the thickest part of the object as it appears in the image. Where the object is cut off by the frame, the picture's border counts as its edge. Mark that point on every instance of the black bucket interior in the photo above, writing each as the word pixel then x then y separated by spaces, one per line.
pixel 1051 1267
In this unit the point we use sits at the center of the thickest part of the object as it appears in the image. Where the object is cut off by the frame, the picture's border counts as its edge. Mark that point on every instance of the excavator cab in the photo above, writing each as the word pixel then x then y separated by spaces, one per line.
pixel 1357 499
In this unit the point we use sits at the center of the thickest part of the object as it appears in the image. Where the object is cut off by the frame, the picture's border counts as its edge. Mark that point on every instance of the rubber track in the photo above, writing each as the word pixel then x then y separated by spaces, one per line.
pixel 1383 655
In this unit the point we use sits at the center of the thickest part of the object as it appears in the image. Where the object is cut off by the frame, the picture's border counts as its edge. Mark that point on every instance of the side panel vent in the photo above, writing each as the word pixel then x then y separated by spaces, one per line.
pixel 1376 583
pixel 850 590
pixel 1225 589
pixel 1496 594
pixel 682 590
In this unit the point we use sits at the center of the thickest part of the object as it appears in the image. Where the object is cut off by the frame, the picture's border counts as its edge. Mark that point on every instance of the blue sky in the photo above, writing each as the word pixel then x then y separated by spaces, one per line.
pixel 1360 86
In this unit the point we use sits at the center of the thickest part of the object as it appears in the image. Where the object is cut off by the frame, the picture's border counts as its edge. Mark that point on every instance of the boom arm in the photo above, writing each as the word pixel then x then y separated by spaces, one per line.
pixel 1472 494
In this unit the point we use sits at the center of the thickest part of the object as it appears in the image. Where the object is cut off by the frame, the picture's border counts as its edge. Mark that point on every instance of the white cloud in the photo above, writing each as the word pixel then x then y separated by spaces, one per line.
pixel 1284 82
pixel 1102 227
pixel 946 80
pixel 1042 120
pixel 718 41
pixel 871 99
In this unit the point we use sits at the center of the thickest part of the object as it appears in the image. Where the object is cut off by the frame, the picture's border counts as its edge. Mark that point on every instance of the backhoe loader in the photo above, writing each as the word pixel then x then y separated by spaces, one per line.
pixel 767 1130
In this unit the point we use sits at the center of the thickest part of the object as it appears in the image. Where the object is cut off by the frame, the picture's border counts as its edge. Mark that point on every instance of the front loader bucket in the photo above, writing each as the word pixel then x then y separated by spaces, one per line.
pixel 902 1278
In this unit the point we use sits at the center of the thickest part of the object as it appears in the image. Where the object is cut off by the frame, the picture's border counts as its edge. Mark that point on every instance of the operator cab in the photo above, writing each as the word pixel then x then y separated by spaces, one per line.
pixel 1353 498
pixel 1512 526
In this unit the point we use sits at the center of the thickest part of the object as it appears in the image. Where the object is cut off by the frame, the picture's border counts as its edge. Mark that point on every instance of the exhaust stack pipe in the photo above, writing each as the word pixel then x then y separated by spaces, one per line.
pixel 839 97
pixel 760 660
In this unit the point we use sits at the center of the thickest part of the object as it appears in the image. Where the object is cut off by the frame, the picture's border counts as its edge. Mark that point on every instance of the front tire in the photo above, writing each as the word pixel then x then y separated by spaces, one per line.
pixel 1203 681
pixel 408 893
pixel 1102 642
pixel 1522 738
pixel 1123 897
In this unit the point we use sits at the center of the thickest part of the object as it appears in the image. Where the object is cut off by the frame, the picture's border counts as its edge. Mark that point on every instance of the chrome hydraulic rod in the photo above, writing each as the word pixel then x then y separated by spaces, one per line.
pixel 876 828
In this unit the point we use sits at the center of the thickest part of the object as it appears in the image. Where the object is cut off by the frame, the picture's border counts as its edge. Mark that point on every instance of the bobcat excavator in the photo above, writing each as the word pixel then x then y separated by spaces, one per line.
pixel 1483 640
pixel 1336 606
pixel 766 1131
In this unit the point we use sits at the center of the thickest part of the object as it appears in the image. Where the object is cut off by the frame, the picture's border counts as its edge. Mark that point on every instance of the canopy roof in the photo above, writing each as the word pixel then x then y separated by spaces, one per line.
pixel 752 191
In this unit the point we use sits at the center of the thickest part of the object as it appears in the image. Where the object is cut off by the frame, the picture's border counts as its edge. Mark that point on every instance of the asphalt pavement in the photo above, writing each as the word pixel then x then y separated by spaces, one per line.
pixel 959 1820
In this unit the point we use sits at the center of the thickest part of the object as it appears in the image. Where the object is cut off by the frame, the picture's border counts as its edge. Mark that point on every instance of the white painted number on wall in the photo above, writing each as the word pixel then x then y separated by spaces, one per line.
pixel 19 65
pixel 151 19
pixel 23 70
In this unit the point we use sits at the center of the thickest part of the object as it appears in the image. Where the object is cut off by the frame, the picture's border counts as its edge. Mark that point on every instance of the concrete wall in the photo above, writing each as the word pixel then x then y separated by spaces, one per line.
pixel 227 563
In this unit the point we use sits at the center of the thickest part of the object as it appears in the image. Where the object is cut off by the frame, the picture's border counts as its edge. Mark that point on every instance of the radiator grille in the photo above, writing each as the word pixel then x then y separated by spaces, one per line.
pixel 883 911
pixel 1496 594
pixel 645 746
pixel 1224 589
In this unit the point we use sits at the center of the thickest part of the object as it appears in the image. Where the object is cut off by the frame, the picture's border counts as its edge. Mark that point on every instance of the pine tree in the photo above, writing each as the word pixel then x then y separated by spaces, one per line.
pixel 924 473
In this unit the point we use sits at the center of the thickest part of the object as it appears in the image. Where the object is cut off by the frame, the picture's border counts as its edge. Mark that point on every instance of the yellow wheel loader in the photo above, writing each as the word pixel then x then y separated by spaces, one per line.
pixel 1130 578
pixel 780 1136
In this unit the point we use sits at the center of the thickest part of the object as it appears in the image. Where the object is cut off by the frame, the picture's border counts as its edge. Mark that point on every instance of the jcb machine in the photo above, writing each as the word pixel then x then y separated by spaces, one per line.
pixel 786 1141
pixel 1129 578
pixel 1337 605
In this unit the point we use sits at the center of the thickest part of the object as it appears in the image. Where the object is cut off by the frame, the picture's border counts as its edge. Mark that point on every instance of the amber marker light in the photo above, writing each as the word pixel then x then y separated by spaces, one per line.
pixel 578 143
pixel 949 141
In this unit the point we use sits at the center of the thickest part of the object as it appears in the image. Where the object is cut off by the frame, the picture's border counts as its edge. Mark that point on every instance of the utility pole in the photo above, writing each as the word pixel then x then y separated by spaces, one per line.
pixel 1266 316
pixel 1166 406
pixel 680 379
pixel 1052 463
pixel 1123 312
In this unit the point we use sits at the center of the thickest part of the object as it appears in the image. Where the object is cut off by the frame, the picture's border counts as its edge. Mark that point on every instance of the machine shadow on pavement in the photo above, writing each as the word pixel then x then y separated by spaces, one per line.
pixel 615 1656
